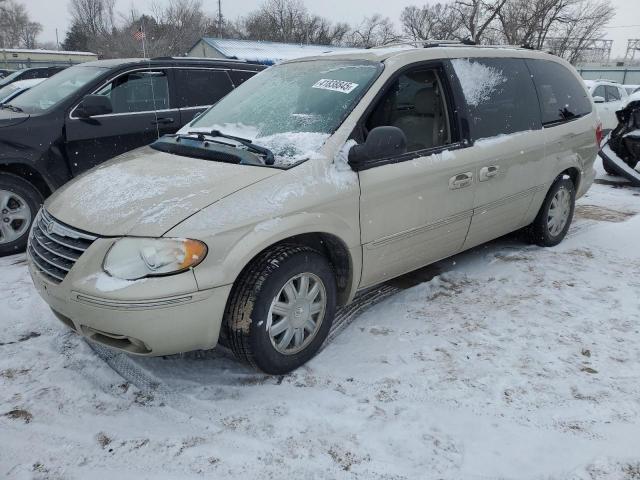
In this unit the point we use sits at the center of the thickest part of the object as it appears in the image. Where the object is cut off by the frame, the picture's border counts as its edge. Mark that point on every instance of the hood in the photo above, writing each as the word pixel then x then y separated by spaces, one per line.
pixel 146 192
pixel 9 118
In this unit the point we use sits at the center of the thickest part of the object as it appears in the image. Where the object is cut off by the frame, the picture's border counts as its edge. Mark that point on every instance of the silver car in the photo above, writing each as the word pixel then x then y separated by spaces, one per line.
pixel 315 179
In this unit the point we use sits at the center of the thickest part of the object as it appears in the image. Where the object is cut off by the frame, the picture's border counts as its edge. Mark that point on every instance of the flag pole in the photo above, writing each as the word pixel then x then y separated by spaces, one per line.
pixel 144 51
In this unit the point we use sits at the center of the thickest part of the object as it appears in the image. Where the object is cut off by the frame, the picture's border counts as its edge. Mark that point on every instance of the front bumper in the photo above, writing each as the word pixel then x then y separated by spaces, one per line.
pixel 168 324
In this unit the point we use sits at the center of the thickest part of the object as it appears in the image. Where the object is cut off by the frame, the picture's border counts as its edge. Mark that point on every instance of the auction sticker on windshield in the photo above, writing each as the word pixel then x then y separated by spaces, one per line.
pixel 335 85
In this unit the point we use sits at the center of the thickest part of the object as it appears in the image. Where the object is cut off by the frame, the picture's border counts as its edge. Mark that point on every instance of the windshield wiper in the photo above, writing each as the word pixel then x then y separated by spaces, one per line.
pixel 13 108
pixel 269 157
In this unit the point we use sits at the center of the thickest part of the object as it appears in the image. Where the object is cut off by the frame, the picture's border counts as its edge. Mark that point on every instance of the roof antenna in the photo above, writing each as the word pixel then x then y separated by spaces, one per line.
pixel 140 35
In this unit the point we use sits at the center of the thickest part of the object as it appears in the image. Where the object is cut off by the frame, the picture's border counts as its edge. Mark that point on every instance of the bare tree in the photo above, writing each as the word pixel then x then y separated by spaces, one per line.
pixel 372 32
pixel 290 21
pixel 476 16
pixel 96 17
pixel 16 28
pixel 431 21
pixel 579 29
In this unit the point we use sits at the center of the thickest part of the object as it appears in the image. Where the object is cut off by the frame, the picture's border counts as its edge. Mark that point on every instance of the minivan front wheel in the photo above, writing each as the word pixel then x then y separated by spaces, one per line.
pixel 19 203
pixel 281 308
pixel 555 216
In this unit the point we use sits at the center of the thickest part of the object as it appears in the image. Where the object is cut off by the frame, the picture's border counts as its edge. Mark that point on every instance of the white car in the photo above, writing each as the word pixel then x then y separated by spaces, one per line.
pixel 14 89
pixel 632 88
pixel 609 97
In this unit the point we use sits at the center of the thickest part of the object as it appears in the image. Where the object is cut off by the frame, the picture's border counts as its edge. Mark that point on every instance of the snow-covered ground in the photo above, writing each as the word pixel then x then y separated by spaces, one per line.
pixel 513 362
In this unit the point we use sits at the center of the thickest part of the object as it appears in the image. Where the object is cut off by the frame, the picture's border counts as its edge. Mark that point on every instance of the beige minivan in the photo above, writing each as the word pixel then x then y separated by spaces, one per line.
pixel 313 180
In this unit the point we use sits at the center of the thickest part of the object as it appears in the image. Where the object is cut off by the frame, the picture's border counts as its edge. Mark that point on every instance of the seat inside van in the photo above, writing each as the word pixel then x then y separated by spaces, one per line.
pixel 414 104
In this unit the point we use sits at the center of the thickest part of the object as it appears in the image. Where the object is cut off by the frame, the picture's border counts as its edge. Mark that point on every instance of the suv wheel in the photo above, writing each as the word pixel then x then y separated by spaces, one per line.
pixel 555 215
pixel 19 203
pixel 281 309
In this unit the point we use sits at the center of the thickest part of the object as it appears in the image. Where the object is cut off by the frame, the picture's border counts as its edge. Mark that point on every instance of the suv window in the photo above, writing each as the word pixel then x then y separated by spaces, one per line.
pixel 415 103
pixel 600 92
pixel 613 94
pixel 240 76
pixel 500 96
pixel 561 95
pixel 201 87
pixel 141 91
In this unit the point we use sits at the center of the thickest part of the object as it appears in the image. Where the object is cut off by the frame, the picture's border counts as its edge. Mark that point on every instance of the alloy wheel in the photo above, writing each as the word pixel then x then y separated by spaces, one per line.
pixel 15 216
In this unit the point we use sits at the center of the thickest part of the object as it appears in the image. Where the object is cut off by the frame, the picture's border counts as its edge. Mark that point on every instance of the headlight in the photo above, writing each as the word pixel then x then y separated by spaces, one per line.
pixel 135 258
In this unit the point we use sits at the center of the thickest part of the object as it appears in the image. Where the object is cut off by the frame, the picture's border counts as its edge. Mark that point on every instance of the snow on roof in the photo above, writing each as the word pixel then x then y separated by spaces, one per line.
pixel 265 52
pixel 37 50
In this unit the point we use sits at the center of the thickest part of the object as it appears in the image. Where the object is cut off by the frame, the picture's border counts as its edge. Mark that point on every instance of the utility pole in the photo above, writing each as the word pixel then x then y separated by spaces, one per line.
pixel 57 41
pixel 219 18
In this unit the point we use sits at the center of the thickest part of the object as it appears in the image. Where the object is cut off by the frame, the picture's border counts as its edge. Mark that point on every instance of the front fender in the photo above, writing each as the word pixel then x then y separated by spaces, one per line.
pixel 230 252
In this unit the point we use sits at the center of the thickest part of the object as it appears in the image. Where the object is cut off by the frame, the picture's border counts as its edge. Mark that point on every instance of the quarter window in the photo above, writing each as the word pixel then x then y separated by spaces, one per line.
pixel 561 95
pixel 201 87
pixel 500 96
pixel 415 104
pixel 141 91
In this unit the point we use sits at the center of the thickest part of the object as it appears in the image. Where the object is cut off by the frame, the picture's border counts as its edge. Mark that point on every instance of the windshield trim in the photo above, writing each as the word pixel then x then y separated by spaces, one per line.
pixel 378 65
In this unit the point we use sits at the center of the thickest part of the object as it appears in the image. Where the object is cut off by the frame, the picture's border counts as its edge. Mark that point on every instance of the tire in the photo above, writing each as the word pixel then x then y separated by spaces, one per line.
pixel 544 233
pixel 249 321
pixel 19 203
pixel 607 167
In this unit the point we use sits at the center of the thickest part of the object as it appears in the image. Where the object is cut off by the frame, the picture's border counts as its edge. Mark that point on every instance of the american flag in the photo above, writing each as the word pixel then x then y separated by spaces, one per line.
pixel 139 34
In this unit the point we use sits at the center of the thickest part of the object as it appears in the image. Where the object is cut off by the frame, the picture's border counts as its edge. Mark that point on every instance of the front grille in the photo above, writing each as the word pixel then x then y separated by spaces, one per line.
pixel 54 247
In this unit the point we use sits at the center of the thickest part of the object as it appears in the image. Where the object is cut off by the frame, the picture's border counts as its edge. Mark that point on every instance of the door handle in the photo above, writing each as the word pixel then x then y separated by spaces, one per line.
pixel 489 172
pixel 162 121
pixel 461 180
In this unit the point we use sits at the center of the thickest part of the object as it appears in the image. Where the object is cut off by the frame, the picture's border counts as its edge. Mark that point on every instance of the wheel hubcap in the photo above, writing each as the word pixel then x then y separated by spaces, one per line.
pixel 16 216
pixel 296 313
pixel 559 211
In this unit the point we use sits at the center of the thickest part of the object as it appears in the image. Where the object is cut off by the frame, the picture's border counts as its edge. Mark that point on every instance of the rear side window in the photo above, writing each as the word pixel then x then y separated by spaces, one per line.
pixel 196 88
pixel 562 97
pixel 500 96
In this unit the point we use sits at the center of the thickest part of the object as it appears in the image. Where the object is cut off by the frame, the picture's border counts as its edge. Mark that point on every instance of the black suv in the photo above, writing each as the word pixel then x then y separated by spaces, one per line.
pixel 90 113
pixel 29 74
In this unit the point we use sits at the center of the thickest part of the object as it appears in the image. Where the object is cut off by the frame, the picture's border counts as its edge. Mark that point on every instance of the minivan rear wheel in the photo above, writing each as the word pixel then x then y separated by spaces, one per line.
pixel 19 203
pixel 555 216
pixel 281 309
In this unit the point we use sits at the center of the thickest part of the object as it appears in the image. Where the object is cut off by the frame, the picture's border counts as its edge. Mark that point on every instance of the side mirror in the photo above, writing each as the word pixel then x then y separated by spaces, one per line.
pixel 382 142
pixel 93 105
pixel 598 99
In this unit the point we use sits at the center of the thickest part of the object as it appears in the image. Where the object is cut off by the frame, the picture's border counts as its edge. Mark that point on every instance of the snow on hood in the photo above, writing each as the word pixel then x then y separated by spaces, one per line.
pixel 289 148
pixel 146 192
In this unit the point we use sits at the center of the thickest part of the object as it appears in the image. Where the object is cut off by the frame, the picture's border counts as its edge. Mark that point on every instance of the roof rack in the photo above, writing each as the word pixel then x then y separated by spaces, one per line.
pixel 231 60
pixel 448 43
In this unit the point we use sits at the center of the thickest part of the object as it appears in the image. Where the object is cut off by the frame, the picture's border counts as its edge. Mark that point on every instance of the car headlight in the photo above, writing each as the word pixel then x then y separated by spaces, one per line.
pixel 135 258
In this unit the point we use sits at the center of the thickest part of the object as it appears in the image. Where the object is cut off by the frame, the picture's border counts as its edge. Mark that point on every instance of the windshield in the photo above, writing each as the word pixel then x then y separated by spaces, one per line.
pixel 11 77
pixel 7 91
pixel 54 90
pixel 292 108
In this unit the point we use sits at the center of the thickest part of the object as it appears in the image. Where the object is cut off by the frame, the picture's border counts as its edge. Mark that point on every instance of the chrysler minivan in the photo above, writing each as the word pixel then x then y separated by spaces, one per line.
pixel 315 179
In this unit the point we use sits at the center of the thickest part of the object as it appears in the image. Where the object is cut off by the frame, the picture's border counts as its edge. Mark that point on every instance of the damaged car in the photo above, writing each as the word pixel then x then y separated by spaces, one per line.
pixel 621 154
